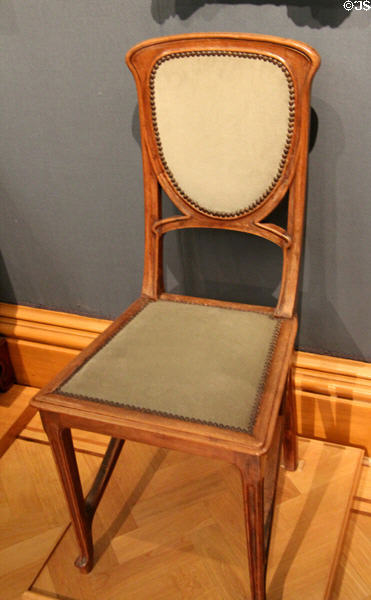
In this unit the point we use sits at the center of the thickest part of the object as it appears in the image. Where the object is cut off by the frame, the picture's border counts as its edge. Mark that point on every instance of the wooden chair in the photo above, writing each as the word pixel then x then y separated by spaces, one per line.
pixel 224 126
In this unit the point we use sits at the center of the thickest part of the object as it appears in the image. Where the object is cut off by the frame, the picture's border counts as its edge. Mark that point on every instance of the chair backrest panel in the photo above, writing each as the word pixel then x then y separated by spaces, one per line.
pixel 223 123
pixel 224 127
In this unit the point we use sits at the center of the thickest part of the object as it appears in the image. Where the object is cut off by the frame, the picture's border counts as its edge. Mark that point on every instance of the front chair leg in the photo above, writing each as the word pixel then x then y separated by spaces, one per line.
pixel 61 443
pixel 82 512
pixel 253 494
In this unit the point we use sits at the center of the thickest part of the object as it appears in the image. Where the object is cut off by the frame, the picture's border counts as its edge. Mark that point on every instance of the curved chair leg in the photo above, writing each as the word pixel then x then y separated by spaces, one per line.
pixel 290 443
pixel 61 443
pixel 82 512
pixel 253 492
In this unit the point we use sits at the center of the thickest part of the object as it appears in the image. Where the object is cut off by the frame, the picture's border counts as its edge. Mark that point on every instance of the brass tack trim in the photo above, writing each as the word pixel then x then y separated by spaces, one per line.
pixel 290 127
pixel 259 392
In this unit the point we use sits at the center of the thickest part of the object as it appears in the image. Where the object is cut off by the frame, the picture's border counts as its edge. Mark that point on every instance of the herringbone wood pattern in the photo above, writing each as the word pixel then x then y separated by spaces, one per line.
pixel 171 526
pixel 33 513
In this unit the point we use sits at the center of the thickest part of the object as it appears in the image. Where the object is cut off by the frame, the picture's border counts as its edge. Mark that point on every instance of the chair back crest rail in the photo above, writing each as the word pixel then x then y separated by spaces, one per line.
pixel 236 107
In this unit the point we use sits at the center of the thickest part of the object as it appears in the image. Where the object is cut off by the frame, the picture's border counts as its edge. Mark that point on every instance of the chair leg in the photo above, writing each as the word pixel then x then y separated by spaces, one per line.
pixel 61 443
pixel 103 476
pixel 290 442
pixel 253 493
pixel 82 512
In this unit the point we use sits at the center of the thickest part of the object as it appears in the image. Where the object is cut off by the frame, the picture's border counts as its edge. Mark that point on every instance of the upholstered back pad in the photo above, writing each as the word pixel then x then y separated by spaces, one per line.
pixel 223 126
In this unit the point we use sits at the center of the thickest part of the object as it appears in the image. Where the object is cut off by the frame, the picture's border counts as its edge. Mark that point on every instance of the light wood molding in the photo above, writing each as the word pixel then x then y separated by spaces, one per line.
pixel 48 326
pixel 333 399
pixel 333 376
pixel 333 395
pixel 333 364
pixel 35 363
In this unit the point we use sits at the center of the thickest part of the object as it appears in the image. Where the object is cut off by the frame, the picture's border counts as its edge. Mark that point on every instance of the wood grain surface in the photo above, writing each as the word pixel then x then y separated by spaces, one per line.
pixel 33 517
pixel 171 526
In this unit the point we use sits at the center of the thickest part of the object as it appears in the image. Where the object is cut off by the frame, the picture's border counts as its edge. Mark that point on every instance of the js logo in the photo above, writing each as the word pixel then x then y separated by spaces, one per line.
pixel 357 5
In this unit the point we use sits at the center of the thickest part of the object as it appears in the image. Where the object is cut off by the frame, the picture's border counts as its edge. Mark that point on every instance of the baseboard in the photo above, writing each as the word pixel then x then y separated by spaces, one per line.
pixel 333 399
pixel 333 395
pixel 41 342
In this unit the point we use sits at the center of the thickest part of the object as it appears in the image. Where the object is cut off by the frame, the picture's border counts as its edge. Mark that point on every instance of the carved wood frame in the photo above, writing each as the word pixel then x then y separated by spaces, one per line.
pixel 301 62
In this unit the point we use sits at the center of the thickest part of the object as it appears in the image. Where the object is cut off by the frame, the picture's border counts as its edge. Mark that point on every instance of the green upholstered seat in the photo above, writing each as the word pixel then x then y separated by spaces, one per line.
pixel 200 363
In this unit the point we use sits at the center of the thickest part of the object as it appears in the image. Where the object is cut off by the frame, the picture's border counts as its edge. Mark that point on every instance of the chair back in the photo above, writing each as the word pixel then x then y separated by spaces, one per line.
pixel 224 126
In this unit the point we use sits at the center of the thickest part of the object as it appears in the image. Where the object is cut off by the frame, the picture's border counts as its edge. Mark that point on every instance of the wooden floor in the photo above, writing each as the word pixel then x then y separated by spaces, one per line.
pixel 171 527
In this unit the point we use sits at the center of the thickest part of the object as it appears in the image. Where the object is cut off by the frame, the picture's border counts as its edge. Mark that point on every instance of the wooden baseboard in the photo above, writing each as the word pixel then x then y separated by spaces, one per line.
pixel 333 398
pixel 333 395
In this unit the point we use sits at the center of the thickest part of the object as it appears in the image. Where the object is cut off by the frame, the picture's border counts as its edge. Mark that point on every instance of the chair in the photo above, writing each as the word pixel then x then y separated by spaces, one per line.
pixel 224 127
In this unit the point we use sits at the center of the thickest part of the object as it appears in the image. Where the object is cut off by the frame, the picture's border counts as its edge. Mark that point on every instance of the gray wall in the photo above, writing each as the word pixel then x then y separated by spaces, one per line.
pixel 71 200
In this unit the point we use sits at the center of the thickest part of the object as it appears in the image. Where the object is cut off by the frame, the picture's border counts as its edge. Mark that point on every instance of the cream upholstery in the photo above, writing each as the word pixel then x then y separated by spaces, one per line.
pixel 223 127
pixel 200 363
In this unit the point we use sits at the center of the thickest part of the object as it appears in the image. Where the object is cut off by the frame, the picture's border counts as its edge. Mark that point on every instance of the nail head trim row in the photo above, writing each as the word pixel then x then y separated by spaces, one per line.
pixel 286 149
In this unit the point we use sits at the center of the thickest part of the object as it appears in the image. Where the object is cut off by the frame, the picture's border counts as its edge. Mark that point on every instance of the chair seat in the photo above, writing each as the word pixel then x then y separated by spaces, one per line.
pixel 198 363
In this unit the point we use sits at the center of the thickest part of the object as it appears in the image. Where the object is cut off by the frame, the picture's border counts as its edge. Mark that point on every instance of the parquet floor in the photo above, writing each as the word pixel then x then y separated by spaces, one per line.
pixel 170 526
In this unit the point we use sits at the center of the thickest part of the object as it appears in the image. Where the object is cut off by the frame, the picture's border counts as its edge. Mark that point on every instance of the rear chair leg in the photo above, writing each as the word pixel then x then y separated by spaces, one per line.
pixel 103 476
pixel 82 512
pixel 253 492
pixel 290 442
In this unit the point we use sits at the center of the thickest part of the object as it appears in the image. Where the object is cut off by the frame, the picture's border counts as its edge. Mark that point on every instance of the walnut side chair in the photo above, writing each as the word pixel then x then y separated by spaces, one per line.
pixel 224 129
